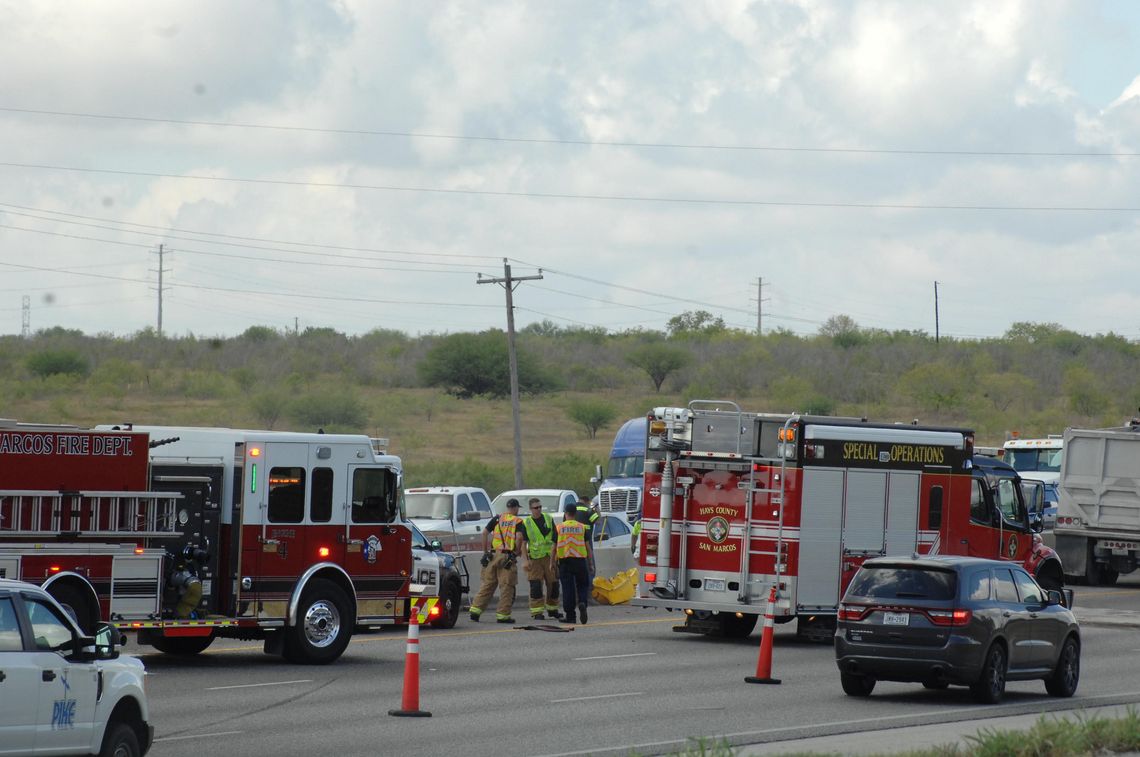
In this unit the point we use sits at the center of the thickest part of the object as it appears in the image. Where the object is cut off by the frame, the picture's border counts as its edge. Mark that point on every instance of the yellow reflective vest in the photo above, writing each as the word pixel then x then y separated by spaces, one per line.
pixel 571 539
pixel 539 544
pixel 503 537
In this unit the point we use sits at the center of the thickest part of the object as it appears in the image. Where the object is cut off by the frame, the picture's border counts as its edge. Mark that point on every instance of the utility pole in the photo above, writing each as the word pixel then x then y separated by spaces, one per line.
pixel 936 312
pixel 759 306
pixel 26 317
pixel 509 283
pixel 161 271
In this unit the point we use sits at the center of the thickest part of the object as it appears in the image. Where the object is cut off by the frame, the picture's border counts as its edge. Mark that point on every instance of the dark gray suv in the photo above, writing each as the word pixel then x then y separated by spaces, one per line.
pixel 954 620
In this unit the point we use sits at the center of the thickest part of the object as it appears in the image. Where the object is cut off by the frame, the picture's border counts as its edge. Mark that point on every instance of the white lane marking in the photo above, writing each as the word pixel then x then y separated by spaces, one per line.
pixel 600 696
pixel 252 685
pixel 615 656
pixel 197 736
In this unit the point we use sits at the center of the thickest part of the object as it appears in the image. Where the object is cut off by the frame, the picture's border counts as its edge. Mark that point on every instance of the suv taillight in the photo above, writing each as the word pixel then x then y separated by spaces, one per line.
pixel 949 617
pixel 852 612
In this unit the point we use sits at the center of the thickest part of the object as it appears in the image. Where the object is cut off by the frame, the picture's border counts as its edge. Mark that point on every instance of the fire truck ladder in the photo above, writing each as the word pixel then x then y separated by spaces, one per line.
pixel 774 491
pixel 88 513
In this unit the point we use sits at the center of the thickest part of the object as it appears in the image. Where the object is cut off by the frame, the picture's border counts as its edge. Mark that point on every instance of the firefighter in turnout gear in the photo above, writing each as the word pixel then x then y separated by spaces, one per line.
pixel 538 534
pixel 574 551
pixel 499 564
pixel 589 514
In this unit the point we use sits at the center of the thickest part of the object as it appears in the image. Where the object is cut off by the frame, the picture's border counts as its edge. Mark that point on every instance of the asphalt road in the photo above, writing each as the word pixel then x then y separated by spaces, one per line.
pixel 625 682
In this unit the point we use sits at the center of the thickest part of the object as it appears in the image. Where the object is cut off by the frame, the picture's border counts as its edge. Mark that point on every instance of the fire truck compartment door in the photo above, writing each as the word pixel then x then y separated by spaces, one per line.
pixel 136 582
pixel 863 515
pixel 10 567
pixel 821 523
pixel 902 513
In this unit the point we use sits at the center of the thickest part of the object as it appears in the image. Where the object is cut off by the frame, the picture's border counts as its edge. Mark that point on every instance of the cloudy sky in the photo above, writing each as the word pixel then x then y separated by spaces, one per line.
pixel 356 164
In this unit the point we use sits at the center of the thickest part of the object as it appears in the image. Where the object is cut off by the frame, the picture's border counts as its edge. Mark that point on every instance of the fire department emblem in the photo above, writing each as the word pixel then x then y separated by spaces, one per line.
pixel 371 548
pixel 1011 547
pixel 654 491
pixel 717 529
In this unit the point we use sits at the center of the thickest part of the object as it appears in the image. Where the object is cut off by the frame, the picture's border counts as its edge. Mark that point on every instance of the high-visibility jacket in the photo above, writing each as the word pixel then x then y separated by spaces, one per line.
pixel 539 544
pixel 593 518
pixel 571 539
pixel 503 537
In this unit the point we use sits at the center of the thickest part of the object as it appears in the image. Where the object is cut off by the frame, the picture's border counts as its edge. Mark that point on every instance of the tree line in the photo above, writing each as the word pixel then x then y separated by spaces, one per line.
pixel 1036 378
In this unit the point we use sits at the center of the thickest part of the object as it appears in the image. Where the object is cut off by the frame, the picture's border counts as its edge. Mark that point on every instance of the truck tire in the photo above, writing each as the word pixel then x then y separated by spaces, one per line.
pixel 77 605
pixel 451 600
pixel 732 627
pixel 325 619
pixel 183 646
pixel 120 741
pixel 1050 577
pixel 1097 574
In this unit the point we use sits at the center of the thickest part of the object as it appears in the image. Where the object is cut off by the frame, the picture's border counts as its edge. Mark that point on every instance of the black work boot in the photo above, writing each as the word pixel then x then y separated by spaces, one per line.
pixel 582 612
pixel 567 619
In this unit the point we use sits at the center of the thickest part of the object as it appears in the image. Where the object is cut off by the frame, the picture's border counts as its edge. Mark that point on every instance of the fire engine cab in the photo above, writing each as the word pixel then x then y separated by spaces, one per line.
pixel 737 502
pixel 184 535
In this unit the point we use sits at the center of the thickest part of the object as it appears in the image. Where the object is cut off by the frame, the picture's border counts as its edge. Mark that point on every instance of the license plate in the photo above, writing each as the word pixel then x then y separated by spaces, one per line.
pixel 714 584
pixel 896 618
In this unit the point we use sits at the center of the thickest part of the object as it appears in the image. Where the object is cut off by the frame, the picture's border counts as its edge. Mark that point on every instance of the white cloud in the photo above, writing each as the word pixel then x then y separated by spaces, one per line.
pixel 945 77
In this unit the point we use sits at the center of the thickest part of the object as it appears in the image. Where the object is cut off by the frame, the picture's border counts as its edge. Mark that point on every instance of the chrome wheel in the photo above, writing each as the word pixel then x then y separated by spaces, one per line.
pixel 322 624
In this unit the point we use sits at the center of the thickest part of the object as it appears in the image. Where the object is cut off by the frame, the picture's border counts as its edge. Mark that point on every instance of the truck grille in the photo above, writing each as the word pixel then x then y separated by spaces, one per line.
pixel 622 499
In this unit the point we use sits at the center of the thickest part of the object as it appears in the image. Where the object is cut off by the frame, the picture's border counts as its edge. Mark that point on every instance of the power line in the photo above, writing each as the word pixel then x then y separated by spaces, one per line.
pixel 588 197
pixel 578 142
pixel 165 233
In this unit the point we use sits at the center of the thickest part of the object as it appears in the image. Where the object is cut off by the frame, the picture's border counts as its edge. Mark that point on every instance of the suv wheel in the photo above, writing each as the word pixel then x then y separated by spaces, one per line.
pixel 856 685
pixel 1063 682
pixel 991 685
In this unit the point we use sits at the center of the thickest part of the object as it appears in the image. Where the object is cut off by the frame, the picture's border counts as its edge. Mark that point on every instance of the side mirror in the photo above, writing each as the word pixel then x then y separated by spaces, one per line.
pixel 107 640
pixel 1053 597
pixel 469 516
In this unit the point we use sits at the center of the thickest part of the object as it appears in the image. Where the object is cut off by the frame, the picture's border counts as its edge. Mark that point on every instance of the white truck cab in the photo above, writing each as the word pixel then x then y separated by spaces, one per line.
pixel 64 692
pixel 455 515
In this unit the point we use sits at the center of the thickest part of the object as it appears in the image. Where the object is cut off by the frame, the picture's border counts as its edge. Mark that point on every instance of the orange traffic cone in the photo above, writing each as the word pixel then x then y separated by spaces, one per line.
pixel 764 664
pixel 410 704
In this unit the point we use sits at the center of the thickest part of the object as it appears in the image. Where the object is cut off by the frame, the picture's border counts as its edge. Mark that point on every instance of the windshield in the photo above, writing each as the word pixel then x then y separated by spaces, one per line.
pixel 427 505
pixel 1044 460
pixel 631 466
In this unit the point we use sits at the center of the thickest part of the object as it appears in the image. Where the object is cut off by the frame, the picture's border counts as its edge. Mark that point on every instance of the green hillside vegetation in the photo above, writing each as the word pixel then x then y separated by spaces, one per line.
pixel 442 399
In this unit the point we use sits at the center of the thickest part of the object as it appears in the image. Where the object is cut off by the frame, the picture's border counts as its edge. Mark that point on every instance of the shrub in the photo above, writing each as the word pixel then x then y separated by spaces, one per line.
pixel 592 414
pixel 328 411
pixel 56 362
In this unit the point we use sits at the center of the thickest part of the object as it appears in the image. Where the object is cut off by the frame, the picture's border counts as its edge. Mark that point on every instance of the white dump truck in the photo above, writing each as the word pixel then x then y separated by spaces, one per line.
pixel 1098 510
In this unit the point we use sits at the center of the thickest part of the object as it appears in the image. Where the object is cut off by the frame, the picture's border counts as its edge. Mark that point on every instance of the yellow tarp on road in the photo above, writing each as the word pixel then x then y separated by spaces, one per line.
pixel 616 590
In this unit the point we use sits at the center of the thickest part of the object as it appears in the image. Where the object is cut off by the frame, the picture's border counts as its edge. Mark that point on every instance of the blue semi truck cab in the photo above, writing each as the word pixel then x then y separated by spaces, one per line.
pixel 619 490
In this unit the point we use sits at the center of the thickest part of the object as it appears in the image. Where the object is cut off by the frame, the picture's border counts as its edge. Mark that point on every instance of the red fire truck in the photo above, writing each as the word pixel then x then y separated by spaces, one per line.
pixel 752 500
pixel 184 535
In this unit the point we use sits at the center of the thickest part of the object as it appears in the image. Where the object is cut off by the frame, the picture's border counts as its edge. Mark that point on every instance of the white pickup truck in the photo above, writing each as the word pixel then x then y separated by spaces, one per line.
pixel 455 515
pixel 62 692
